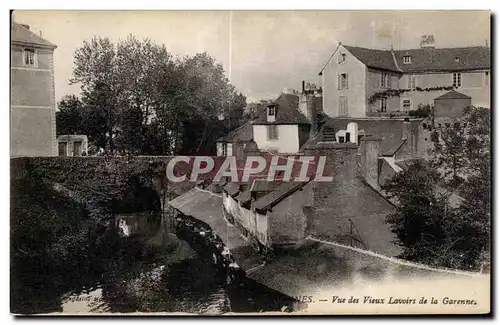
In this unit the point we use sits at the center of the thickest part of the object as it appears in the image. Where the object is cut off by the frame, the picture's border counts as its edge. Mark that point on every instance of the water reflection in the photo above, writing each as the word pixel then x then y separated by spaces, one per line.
pixel 180 276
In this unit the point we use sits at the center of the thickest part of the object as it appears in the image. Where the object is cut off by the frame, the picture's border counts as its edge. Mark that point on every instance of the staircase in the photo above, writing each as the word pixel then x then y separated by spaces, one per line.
pixel 328 134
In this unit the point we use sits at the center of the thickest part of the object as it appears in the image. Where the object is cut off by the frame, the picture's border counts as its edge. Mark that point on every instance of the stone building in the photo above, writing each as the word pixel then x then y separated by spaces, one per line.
pixel 32 105
pixel 449 107
pixel 362 82
pixel 72 145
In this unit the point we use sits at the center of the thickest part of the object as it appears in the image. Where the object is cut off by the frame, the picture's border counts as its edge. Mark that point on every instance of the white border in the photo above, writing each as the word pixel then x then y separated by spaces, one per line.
pixel 185 4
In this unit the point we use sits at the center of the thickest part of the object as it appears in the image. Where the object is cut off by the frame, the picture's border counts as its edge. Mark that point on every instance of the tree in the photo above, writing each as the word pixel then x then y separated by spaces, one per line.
pixel 97 73
pixel 463 149
pixel 70 116
pixel 253 109
pixel 428 226
pixel 142 100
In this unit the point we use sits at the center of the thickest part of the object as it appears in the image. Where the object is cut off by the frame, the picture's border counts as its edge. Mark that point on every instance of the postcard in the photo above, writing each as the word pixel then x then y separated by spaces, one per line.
pixel 240 162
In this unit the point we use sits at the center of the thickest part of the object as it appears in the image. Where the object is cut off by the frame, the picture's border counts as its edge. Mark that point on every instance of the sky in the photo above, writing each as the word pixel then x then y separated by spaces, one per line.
pixel 262 52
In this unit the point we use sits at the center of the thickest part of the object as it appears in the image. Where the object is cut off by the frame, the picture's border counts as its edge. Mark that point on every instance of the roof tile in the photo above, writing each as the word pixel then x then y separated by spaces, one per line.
pixel 287 111
pixel 425 59
pixel 243 133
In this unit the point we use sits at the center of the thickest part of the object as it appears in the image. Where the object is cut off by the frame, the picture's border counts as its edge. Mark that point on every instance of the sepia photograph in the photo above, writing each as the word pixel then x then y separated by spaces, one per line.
pixel 250 162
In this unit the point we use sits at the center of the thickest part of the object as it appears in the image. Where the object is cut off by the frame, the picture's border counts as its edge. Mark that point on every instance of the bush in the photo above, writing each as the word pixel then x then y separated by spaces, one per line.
pixel 62 217
pixel 422 111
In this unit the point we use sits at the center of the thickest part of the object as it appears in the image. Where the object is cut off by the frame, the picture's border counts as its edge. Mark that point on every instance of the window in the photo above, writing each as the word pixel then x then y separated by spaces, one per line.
pixel 341 139
pixel 348 137
pixel 487 78
pixel 412 81
pixel 406 104
pixel 343 110
pixel 457 80
pixel 407 59
pixel 271 111
pixel 272 132
pixel 224 149
pixel 29 57
pixel 383 104
pixel 385 80
pixel 341 58
pixel 343 81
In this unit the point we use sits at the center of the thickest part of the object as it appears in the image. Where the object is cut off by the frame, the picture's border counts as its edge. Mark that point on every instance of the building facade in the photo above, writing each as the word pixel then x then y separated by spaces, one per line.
pixel 73 145
pixel 235 142
pixel 361 82
pixel 32 106
pixel 282 127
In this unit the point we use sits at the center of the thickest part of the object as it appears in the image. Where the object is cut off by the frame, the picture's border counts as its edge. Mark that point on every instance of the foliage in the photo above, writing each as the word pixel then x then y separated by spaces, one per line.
pixel 253 109
pixel 139 99
pixel 69 118
pixel 397 92
pixel 62 217
pixel 430 230
pixel 462 149
pixel 432 226
pixel 422 111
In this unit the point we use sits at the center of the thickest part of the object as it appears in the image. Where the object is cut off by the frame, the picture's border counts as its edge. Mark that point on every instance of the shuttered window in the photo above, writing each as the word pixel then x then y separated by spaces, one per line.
pixel 272 132
pixel 383 104
pixel 343 81
pixel 343 109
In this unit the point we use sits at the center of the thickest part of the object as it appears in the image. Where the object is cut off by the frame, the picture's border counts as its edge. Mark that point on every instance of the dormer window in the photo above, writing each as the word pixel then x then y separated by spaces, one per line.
pixel 271 111
pixel 457 59
pixel 407 59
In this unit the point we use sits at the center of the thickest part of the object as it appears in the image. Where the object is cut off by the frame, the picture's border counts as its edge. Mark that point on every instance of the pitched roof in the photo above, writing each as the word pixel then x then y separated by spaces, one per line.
pixel 243 133
pixel 197 203
pixel 276 196
pixel 436 59
pixel 244 197
pixel 389 130
pixel 232 188
pixel 425 59
pixel 262 185
pixel 379 59
pixel 287 111
pixel 21 34
pixel 452 95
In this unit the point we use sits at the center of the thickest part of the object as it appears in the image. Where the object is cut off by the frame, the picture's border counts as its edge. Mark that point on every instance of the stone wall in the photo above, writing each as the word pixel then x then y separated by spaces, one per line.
pixel 33 129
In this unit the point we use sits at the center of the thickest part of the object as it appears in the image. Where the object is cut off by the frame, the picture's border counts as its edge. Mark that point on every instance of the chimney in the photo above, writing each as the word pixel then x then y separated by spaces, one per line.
pixel 312 113
pixel 370 151
pixel 427 41
pixel 406 129
pixel 303 86
pixel 26 26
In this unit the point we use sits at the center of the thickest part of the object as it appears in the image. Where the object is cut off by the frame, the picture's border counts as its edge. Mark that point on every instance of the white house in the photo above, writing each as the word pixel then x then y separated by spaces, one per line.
pixel 281 127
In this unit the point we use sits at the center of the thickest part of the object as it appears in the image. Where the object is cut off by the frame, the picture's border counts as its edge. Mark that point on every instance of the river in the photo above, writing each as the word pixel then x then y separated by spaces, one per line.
pixel 188 279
